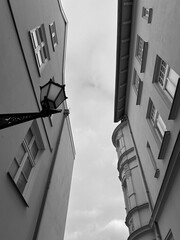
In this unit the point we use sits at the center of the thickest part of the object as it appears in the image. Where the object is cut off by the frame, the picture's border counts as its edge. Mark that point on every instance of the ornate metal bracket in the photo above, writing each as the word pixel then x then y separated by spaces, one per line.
pixel 11 119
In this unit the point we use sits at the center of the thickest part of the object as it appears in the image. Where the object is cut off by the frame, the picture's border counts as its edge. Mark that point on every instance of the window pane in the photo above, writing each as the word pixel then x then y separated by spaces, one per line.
pixel 44 52
pixel 13 169
pixel 140 48
pixel 27 168
pixel 41 34
pixel 161 126
pixel 153 114
pixel 34 149
pixel 173 76
pixel 39 58
pixel 21 183
pixel 35 40
pixel 20 154
pixel 29 136
pixel 172 81
pixel 170 88
pixel 162 73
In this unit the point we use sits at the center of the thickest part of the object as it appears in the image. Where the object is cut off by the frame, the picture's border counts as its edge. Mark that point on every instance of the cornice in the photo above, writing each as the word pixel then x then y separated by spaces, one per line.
pixel 135 209
pixel 116 130
pixel 139 232
pixel 121 157
pixel 124 163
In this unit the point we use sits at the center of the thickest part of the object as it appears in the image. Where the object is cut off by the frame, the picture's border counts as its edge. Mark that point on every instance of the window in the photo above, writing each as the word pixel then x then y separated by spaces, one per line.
pixel 141 52
pixel 53 33
pixel 157 172
pixel 40 47
pixel 140 46
pixel 24 162
pixel 122 145
pixel 138 84
pixel 157 122
pixel 147 14
pixel 158 127
pixel 167 83
pixel 167 79
pixel 136 81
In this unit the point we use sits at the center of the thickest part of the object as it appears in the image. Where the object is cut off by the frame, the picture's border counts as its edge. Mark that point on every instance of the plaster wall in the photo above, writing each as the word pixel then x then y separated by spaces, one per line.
pixel 169 219
pixel 163 38
pixel 54 216
pixel 19 92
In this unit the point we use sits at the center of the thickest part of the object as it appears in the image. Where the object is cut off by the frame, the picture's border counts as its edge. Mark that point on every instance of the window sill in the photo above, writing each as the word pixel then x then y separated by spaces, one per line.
pixel 164 145
pixel 144 57
pixel 139 93
pixel 19 193
pixel 158 141
pixel 175 103
pixel 163 95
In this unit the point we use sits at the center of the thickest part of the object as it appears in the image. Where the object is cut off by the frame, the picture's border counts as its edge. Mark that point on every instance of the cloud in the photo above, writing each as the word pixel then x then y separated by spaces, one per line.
pixel 87 214
pixel 113 230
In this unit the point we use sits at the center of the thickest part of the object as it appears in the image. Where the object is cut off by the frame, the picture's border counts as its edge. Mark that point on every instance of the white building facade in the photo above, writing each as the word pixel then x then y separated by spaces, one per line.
pixel 147 99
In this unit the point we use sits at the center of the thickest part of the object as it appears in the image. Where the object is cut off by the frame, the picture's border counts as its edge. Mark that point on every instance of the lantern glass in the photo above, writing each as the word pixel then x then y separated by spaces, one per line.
pixel 44 91
pixel 52 95
pixel 53 92
pixel 60 98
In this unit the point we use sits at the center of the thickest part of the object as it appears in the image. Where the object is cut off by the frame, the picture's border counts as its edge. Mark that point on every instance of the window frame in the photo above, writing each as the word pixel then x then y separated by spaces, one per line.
pixel 162 140
pixel 53 34
pixel 141 52
pixel 172 102
pixel 138 86
pixel 27 156
pixel 40 46
pixel 147 14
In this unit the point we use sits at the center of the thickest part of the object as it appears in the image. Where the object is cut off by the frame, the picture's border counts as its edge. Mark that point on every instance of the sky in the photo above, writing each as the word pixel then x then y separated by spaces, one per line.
pixel 96 206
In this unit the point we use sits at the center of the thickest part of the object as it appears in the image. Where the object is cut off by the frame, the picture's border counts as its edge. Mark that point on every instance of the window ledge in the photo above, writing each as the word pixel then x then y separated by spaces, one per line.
pixel 164 145
pixel 138 101
pixel 144 57
pixel 176 103
pixel 19 193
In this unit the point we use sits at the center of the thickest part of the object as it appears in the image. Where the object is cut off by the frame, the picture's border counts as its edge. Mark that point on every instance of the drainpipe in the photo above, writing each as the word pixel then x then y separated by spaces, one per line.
pixel 36 231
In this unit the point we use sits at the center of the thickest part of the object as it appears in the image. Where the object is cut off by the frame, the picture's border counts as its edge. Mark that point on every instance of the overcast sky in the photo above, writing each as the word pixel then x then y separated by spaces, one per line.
pixel 96 206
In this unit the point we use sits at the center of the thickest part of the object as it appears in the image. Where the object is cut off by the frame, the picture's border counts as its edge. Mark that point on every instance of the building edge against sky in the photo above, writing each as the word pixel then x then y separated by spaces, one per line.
pixel 37 157
pixel 147 99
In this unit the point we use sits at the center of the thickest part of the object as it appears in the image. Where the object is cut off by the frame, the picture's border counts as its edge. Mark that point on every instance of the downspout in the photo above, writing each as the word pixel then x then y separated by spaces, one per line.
pixel 36 231
pixel 156 227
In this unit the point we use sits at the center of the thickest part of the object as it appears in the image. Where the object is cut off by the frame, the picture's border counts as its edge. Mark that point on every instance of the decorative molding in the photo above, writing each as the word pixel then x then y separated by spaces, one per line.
pixel 135 209
pixel 127 171
pixel 122 166
pixel 140 232
pixel 124 154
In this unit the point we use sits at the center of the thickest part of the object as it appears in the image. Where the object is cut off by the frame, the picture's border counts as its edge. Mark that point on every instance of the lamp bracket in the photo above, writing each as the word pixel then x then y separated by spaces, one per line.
pixel 11 119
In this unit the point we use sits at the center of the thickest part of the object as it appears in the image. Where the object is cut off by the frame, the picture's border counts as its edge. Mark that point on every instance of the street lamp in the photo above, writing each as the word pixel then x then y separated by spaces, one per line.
pixel 51 96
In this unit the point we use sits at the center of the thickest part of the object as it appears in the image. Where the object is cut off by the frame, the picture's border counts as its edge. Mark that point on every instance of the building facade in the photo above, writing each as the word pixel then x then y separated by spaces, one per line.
pixel 147 99
pixel 37 156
